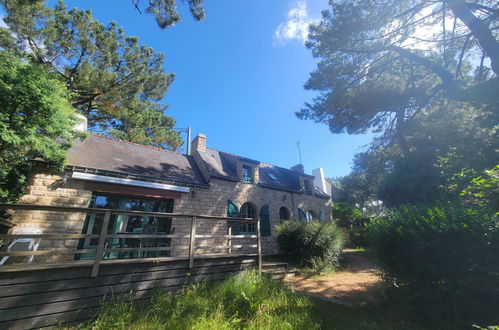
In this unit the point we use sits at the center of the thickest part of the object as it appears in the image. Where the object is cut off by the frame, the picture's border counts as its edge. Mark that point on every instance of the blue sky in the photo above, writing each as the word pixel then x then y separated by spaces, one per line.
pixel 240 76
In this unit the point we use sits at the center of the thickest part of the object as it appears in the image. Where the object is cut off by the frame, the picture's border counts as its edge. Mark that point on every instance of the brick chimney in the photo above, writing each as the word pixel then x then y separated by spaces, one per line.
pixel 298 168
pixel 199 142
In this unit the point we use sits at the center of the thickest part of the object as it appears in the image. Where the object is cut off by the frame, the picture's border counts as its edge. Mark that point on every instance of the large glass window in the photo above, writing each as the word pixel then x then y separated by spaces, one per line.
pixel 123 224
pixel 265 220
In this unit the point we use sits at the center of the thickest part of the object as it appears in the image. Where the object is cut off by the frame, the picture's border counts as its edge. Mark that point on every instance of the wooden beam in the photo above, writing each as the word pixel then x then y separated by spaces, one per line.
pixel 119 212
pixel 259 246
pixel 192 241
pixel 101 245
pixel 229 239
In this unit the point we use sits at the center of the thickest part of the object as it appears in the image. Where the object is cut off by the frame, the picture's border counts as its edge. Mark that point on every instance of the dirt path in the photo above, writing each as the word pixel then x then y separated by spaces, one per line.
pixel 357 281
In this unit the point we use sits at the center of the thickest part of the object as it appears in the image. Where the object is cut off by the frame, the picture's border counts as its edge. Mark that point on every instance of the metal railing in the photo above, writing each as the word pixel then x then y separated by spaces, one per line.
pixel 104 248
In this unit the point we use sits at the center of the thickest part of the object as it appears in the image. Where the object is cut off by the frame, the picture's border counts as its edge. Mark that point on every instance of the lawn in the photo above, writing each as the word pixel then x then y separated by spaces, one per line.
pixel 247 301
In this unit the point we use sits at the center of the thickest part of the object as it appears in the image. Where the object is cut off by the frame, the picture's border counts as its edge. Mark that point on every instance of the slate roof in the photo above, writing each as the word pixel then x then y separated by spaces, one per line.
pixel 223 165
pixel 113 157
pixel 122 157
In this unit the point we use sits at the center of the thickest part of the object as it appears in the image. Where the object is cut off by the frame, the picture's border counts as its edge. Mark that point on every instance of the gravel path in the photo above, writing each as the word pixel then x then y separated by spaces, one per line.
pixel 356 282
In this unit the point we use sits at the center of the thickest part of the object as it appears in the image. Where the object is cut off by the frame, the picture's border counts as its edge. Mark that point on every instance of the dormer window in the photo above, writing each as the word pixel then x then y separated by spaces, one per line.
pixel 307 187
pixel 247 174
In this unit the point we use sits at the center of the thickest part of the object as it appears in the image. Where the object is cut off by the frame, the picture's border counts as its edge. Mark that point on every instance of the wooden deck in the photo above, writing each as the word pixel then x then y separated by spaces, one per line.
pixel 41 298
pixel 34 295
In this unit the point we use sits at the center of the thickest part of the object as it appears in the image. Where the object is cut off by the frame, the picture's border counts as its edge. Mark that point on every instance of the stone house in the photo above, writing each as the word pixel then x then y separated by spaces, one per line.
pixel 110 173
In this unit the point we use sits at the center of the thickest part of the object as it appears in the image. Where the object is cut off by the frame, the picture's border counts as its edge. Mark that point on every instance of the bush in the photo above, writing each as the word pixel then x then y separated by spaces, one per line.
pixel 345 214
pixel 358 237
pixel 446 257
pixel 314 243
pixel 243 301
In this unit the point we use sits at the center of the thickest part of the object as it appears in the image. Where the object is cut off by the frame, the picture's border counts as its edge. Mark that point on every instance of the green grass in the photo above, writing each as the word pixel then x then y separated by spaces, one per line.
pixel 248 301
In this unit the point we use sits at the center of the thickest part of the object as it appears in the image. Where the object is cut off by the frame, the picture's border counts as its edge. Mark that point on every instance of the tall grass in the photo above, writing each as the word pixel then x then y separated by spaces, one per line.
pixel 244 301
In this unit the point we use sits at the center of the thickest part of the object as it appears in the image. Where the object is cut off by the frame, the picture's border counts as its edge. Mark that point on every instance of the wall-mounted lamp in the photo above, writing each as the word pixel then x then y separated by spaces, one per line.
pixel 283 198
pixel 193 193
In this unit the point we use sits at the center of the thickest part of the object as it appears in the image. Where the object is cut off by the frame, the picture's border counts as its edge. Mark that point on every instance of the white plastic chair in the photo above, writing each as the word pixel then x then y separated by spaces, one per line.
pixel 33 243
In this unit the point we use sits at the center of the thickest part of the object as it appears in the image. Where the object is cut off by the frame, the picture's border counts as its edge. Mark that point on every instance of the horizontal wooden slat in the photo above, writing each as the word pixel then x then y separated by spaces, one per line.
pixel 74 313
pixel 44 252
pixel 100 211
pixel 144 249
pixel 145 236
pixel 20 289
pixel 226 236
pixel 234 246
pixel 75 294
pixel 33 267
pixel 50 308
pixel 48 236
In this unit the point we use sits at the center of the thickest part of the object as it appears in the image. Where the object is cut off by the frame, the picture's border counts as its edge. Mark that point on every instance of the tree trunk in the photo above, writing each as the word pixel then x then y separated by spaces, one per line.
pixel 479 30
pixel 399 128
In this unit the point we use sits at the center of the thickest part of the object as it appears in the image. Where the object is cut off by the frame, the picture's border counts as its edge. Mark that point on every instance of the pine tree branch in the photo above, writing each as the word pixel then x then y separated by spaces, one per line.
pixel 479 30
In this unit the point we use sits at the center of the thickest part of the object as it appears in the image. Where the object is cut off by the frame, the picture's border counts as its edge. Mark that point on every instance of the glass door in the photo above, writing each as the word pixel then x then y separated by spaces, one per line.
pixel 128 224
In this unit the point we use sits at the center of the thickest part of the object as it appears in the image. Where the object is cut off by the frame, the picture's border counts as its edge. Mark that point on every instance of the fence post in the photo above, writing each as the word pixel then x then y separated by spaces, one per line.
pixel 192 241
pixel 229 239
pixel 100 247
pixel 259 246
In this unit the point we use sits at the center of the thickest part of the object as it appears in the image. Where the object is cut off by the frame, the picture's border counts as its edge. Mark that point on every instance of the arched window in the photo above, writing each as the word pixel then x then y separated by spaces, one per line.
pixel 310 215
pixel 265 220
pixel 233 212
pixel 302 215
pixel 283 214
pixel 248 211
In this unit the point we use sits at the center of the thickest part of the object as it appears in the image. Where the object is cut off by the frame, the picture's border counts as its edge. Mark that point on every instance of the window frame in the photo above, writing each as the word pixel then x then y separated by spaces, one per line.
pixel 288 214
pixel 250 178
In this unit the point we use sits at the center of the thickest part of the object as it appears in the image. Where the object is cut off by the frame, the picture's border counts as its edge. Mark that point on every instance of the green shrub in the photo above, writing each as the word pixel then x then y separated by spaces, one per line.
pixel 446 258
pixel 244 301
pixel 345 214
pixel 316 244
pixel 358 237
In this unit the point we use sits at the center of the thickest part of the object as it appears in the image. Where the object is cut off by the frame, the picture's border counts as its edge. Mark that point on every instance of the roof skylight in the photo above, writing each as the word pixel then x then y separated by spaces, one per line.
pixel 273 177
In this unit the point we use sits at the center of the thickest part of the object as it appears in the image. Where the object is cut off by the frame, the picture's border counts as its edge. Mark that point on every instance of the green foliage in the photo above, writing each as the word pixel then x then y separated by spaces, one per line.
pixel 484 190
pixel 359 237
pixel 447 150
pixel 36 120
pixel 345 214
pixel 246 301
pixel 114 81
pixel 375 72
pixel 444 258
pixel 166 12
pixel 313 243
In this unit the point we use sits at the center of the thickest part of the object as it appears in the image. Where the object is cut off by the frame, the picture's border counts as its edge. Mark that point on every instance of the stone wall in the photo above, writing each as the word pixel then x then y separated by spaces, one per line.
pixel 50 188
pixel 213 201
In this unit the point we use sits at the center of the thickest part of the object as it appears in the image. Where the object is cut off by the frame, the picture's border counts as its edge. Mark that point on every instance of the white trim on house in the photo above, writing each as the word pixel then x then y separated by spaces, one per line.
pixel 128 182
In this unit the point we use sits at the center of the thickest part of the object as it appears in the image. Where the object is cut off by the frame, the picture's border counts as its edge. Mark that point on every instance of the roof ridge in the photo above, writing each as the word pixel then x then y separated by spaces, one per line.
pixel 134 143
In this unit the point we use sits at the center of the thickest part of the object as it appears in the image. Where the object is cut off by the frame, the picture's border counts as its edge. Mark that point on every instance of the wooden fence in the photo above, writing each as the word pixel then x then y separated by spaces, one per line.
pixel 37 294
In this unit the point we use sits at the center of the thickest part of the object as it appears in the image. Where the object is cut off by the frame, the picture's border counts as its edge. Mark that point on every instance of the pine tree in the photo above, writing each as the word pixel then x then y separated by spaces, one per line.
pixel 114 81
